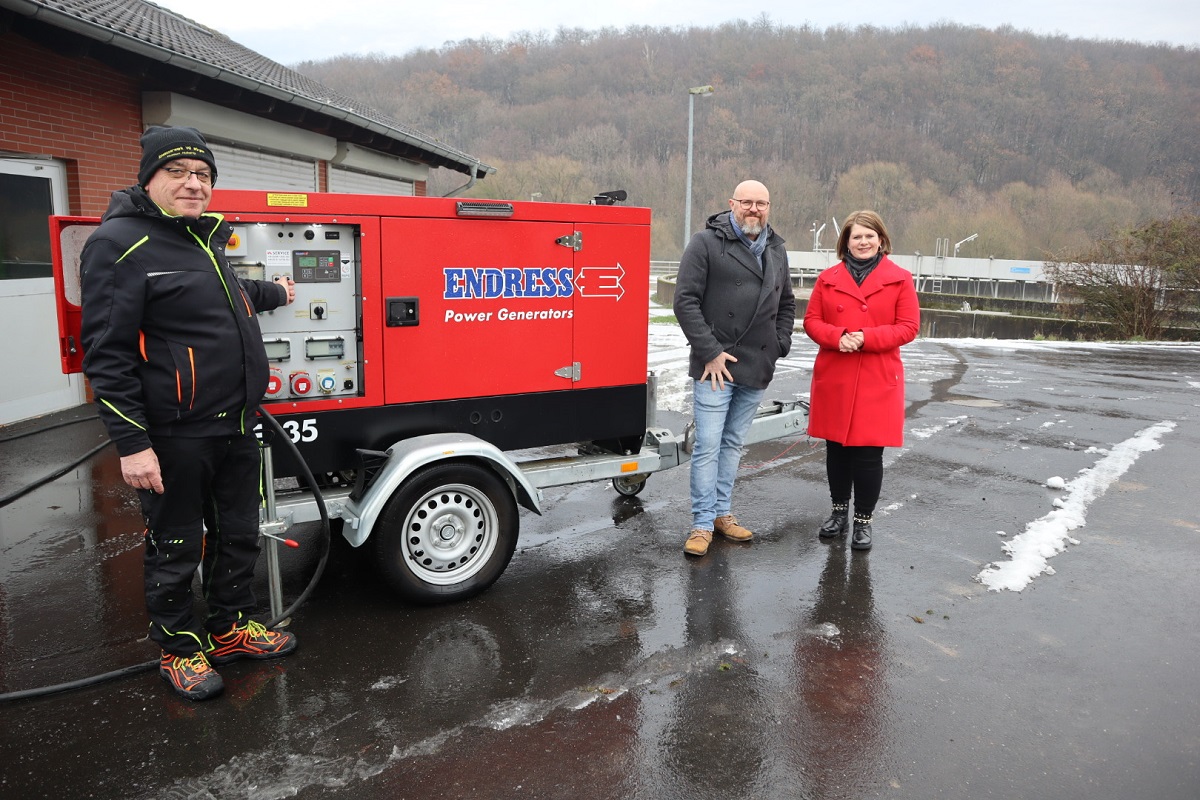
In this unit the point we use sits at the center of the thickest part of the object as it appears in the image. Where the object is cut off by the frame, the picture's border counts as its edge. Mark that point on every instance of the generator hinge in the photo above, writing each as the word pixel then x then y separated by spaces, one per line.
pixel 574 241
pixel 571 372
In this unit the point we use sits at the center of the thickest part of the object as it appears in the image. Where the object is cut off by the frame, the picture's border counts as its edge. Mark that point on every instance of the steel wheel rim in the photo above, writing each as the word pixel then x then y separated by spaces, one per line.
pixel 629 485
pixel 450 534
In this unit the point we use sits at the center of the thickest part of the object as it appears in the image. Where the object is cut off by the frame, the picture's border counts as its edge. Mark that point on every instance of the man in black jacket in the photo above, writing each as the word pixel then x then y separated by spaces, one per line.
pixel 734 302
pixel 176 363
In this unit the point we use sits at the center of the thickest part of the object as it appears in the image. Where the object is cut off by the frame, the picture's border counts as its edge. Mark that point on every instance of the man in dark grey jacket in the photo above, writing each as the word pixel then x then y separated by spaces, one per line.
pixel 735 304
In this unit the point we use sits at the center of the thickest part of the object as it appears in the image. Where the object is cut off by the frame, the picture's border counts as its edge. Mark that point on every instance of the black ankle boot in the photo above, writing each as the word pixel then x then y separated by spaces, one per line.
pixel 835 524
pixel 861 538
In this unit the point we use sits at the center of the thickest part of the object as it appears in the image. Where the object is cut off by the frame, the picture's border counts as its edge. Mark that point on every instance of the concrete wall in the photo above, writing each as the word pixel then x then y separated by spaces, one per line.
pixel 950 324
pixel 971 277
pixel 988 269
pixel 968 277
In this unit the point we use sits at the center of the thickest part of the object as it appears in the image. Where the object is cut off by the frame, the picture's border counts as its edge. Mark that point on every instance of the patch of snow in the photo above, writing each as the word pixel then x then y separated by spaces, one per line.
pixel 1029 552
pixel 925 433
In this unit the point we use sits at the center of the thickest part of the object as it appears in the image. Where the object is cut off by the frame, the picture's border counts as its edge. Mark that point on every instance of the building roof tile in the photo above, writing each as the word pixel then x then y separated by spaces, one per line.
pixel 149 30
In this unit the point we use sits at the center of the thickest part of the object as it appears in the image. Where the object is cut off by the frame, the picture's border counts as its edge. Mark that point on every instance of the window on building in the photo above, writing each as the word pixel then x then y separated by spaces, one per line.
pixel 25 203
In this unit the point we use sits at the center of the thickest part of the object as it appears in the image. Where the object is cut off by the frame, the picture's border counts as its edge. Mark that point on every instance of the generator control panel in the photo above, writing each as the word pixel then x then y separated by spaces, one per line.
pixel 314 345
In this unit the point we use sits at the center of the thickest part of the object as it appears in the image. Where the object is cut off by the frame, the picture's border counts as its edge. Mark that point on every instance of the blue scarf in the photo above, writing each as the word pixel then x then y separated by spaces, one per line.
pixel 757 246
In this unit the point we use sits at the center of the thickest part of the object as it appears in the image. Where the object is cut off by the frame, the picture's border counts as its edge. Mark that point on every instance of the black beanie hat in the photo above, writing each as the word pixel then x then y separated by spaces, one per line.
pixel 162 145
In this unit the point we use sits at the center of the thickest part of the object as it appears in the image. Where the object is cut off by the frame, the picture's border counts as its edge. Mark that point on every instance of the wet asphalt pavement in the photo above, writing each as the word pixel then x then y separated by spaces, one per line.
pixel 606 664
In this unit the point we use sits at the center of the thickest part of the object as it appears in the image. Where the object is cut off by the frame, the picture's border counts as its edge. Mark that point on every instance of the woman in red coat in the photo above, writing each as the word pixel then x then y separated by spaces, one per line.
pixel 860 312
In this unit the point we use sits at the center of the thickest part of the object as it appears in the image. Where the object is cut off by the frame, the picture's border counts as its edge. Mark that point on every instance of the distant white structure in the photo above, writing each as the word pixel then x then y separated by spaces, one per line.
pixel 976 277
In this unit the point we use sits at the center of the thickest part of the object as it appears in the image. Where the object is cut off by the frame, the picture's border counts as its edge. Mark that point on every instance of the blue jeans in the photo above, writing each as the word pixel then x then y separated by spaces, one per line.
pixel 723 418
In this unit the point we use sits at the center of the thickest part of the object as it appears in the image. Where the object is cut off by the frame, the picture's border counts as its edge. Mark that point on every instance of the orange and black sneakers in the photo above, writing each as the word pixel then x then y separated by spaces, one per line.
pixel 191 676
pixel 250 639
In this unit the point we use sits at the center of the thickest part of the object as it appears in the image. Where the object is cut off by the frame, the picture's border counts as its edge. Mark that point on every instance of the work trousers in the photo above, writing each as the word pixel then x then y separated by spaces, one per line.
pixel 854 468
pixel 207 514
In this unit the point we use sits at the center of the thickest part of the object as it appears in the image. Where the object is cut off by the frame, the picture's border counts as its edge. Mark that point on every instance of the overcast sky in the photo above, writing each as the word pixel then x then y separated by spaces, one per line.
pixel 290 31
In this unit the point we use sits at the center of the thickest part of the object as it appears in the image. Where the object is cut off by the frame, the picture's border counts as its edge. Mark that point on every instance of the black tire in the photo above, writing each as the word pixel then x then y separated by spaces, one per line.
pixel 631 485
pixel 447 534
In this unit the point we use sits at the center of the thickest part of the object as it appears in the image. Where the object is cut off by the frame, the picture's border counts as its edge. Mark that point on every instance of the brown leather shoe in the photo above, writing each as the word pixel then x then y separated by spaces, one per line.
pixel 728 527
pixel 697 542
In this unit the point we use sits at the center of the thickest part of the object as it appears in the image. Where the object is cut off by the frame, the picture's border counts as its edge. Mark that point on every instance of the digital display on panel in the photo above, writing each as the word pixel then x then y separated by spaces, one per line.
pixel 317 266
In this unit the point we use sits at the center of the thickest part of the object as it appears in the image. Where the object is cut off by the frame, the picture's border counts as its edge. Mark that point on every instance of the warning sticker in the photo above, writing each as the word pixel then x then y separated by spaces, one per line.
pixel 288 200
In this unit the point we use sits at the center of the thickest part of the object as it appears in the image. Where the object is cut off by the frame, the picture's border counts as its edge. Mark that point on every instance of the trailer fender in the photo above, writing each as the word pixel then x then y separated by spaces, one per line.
pixel 409 455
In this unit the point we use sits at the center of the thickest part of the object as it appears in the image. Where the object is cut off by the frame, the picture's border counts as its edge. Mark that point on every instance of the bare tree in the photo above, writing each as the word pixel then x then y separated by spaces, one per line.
pixel 1140 281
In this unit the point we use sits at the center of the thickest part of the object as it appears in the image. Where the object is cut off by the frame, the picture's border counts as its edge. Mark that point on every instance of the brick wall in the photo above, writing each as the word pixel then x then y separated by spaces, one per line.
pixel 82 113
pixel 76 110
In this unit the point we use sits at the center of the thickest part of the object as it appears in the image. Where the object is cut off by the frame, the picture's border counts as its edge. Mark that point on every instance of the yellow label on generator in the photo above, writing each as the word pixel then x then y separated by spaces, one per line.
pixel 278 199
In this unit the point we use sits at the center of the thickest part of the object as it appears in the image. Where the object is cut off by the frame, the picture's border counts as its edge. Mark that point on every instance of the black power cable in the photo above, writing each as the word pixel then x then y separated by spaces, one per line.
pixel 45 691
pixel 24 490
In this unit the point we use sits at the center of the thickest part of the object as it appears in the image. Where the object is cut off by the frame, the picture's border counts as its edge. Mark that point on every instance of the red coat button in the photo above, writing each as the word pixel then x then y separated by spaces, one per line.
pixel 864 306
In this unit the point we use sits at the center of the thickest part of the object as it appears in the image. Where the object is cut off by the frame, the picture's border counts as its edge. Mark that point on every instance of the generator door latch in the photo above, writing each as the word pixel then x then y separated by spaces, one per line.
pixel 571 372
pixel 403 312
pixel 574 241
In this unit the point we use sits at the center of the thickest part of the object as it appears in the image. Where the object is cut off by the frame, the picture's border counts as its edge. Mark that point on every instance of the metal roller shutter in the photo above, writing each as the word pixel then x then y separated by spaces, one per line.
pixel 251 169
pixel 348 181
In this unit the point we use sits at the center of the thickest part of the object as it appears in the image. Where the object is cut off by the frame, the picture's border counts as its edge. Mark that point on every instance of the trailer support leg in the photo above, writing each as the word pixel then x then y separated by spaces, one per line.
pixel 274 579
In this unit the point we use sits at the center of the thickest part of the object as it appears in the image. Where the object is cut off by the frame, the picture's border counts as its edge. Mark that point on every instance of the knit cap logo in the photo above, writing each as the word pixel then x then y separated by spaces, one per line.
pixel 183 151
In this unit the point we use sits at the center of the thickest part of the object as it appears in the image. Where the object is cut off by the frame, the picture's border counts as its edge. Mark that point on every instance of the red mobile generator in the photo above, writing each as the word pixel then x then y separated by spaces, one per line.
pixel 523 324
pixel 428 337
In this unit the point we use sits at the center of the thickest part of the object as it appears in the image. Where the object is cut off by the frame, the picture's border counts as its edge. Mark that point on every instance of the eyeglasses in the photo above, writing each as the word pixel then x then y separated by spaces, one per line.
pixel 180 174
pixel 749 204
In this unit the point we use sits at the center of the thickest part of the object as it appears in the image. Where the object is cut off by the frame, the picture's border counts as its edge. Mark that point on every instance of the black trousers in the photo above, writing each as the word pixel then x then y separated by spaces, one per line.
pixel 207 514
pixel 854 469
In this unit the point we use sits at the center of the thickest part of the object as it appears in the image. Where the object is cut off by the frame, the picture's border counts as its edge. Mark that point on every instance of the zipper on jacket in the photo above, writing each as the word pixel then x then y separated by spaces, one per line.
pixel 192 366
pixel 204 246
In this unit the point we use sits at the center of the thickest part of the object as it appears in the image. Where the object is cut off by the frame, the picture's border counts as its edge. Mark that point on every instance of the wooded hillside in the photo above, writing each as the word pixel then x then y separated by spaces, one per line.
pixel 1036 143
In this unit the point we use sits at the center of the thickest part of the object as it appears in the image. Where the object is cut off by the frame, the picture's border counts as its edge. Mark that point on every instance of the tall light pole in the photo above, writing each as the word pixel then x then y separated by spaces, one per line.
pixel 687 202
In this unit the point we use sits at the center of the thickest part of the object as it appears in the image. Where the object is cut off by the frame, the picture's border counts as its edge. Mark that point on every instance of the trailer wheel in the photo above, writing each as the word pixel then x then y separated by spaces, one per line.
pixel 630 485
pixel 447 533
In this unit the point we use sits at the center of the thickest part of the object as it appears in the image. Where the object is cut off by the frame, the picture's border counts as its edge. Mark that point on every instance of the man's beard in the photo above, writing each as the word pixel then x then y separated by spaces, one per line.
pixel 751 226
